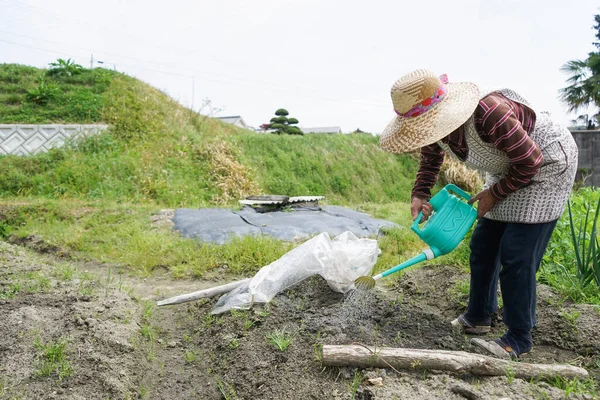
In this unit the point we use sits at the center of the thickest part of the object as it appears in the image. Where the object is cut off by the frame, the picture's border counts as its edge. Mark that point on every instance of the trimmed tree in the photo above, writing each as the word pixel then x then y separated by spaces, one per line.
pixel 282 124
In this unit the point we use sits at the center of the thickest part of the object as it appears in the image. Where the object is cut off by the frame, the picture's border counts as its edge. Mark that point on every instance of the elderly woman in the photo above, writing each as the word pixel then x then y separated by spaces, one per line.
pixel 530 163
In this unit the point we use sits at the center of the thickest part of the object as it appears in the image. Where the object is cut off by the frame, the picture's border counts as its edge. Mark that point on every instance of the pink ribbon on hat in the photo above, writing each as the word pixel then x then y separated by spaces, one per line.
pixel 428 103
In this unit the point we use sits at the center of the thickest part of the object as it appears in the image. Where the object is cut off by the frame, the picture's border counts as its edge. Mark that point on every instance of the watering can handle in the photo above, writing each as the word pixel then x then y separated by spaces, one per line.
pixel 415 226
pixel 449 187
pixel 453 188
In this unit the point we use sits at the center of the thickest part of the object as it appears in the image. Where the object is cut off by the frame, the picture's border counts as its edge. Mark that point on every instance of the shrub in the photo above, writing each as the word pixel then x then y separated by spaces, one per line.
pixel 64 68
pixel 43 93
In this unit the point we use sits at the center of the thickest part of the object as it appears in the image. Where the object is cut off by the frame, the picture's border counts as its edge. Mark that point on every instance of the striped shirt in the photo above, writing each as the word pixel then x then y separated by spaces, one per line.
pixel 499 121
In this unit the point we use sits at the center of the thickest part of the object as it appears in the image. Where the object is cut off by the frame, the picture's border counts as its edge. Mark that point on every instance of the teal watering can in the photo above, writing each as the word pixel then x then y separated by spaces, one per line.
pixel 450 221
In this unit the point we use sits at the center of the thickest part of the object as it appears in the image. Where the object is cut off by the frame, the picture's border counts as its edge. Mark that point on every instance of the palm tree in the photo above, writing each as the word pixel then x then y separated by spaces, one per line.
pixel 584 78
pixel 584 83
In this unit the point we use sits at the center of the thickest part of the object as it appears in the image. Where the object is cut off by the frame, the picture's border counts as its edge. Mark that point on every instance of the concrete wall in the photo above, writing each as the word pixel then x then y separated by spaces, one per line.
pixel 24 140
pixel 588 143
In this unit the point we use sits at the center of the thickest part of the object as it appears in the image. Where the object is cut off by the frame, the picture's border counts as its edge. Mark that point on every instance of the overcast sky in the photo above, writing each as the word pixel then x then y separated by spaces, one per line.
pixel 330 63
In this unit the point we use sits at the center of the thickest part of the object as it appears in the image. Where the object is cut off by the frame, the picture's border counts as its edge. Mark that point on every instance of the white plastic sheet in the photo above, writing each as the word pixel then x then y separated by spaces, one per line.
pixel 339 261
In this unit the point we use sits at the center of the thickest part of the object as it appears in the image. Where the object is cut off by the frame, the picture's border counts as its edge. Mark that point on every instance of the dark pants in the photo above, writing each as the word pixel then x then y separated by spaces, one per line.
pixel 511 252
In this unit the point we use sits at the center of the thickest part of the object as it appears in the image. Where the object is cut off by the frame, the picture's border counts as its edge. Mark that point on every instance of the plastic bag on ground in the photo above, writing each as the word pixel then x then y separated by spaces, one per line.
pixel 339 261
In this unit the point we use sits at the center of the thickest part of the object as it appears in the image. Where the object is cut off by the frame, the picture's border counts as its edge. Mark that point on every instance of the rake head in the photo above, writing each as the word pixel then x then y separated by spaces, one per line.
pixel 364 283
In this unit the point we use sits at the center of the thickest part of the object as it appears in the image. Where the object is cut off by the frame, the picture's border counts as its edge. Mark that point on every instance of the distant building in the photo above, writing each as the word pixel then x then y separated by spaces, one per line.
pixel 322 129
pixel 237 121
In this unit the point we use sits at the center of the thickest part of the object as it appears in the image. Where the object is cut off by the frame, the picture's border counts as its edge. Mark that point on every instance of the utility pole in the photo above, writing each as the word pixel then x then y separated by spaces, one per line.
pixel 92 61
pixel 193 87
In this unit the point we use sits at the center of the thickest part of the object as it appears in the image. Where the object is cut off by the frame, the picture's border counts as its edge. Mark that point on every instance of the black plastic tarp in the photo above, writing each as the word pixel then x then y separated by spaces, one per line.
pixel 217 225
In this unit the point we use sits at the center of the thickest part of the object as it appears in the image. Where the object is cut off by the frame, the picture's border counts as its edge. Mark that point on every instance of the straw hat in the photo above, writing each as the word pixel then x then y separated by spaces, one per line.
pixel 428 109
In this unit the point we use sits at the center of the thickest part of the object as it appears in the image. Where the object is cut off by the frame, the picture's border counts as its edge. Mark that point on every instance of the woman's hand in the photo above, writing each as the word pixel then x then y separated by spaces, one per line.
pixel 417 205
pixel 486 202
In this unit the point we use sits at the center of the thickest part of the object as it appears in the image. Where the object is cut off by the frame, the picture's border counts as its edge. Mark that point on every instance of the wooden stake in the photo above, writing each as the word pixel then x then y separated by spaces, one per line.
pixel 443 360
pixel 201 294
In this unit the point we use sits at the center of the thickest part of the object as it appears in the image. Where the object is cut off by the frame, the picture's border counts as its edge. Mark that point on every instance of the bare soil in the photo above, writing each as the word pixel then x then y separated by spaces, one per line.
pixel 120 346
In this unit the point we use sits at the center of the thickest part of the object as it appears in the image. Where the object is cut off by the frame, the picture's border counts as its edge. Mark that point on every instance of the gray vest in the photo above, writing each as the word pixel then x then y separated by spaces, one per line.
pixel 545 197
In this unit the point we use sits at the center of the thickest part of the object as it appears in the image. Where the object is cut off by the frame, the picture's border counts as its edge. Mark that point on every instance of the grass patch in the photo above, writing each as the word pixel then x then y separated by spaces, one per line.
pixel 460 292
pixel 32 96
pixel 148 331
pixel 52 358
pixel 123 234
pixel 576 386
pixel 280 339
pixel 23 282
pixel 64 272
pixel 10 291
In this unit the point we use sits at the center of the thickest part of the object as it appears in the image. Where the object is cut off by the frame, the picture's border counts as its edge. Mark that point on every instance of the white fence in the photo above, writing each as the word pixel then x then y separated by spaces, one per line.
pixel 24 140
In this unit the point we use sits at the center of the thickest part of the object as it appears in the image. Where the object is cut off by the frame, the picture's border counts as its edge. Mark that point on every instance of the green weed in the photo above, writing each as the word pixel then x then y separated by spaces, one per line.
pixel 570 263
pixel 318 351
pixel 576 386
pixel 511 373
pixel 234 344
pixel 63 67
pixel 64 272
pixel 37 283
pixel 239 313
pixel 280 339
pixel 190 356
pixel 356 381
pixel 264 313
pixel 87 284
pixel 460 292
pixel 52 358
pixel 227 390
pixel 588 260
pixel 207 320
pixel 148 309
pixel 148 332
pixel 43 93
pixel 143 391
pixel 571 318
pixel 10 291
pixel 248 323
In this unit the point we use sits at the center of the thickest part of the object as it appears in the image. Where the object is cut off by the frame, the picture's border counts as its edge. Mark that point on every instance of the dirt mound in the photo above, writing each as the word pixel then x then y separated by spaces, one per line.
pixel 63 336
pixel 233 350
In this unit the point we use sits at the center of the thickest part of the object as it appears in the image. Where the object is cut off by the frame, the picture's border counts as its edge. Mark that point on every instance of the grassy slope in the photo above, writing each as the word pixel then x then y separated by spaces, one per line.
pixel 95 197
pixel 345 168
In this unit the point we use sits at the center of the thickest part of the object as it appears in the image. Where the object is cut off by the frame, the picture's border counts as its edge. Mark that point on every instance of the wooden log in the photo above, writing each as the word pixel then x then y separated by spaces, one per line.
pixel 201 294
pixel 443 360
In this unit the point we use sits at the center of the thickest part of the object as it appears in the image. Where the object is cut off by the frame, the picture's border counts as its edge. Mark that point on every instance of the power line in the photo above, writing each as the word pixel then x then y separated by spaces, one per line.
pixel 35 48
pixel 268 88
pixel 87 24
pixel 264 85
